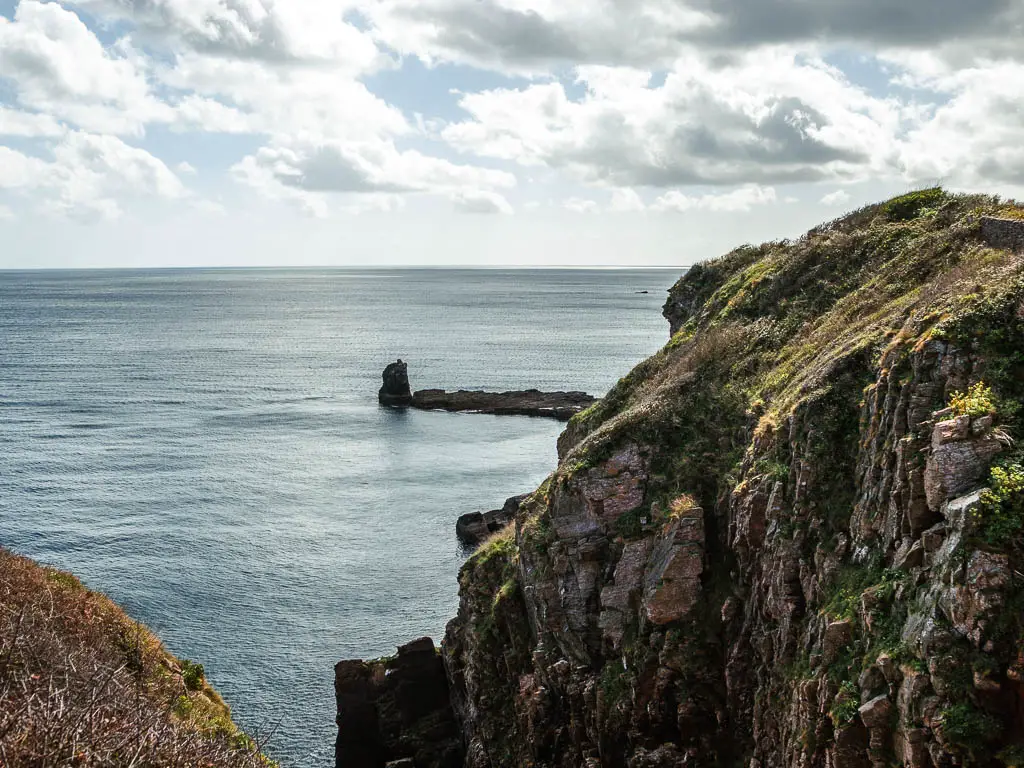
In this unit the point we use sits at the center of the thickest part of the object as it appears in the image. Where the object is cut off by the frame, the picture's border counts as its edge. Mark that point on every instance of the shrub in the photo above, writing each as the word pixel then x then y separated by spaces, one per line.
pixel 192 674
pixel 79 680
pixel 968 727
pixel 845 705
pixel 976 401
pixel 909 206
pixel 1000 515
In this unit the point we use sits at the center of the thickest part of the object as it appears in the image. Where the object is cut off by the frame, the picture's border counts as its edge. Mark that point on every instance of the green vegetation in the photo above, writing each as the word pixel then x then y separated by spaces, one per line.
pixel 614 682
pixel 976 401
pixel 969 728
pixel 843 598
pixel 913 204
pixel 501 545
pixel 193 675
pixel 845 705
pixel 999 517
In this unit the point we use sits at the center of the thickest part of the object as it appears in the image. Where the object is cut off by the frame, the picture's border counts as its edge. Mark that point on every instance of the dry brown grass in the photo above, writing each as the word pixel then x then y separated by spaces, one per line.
pixel 81 684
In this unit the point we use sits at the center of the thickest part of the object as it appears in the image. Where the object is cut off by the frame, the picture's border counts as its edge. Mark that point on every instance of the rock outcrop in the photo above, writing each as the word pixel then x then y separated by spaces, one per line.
pixel 528 402
pixel 563 406
pixel 473 527
pixel 1004 232
pixel 395 388
pixel 792 538
pixel 396 709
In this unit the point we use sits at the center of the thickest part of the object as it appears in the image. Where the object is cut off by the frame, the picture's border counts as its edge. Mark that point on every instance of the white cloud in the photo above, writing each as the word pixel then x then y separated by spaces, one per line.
pixel 6 214
pixel 301 102
pixel 838 197
pixel 186 168
pixel 737 200
pixel 305 173
pixel 481 201
pixel 87 176
pixel 14 122
pixel 975 136
pixel 765 117
pixel 580 205
pixel 59 68
pixel 276 31
pixel 211 116
pixel 626 201
pixel 541 35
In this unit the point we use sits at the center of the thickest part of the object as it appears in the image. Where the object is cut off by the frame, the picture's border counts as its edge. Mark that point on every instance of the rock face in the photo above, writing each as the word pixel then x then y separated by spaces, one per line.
pixel 395 389
pixel 1005 233
pixel 396 709
pixel 528 402
pixel 473 527
pixel 770 545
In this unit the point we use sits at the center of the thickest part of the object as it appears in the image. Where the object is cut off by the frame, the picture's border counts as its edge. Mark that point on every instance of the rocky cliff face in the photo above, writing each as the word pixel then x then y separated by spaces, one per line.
pixel 793 537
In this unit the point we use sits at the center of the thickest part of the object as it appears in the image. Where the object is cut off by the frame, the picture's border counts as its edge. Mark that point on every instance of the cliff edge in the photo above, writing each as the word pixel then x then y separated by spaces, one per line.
pixel 81 684
pixel 793 537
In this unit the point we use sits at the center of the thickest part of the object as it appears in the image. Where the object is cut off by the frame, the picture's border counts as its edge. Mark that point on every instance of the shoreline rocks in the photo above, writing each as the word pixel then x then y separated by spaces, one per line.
pixel 396 711
pixel 530 402
pixel 474 527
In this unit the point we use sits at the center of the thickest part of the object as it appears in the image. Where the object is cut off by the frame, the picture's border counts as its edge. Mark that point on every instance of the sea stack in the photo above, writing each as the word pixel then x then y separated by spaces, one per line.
pixel 395 389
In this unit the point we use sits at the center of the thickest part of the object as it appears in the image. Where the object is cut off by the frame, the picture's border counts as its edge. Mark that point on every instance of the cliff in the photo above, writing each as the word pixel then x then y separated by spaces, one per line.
pixel 793 537
pixel 83 684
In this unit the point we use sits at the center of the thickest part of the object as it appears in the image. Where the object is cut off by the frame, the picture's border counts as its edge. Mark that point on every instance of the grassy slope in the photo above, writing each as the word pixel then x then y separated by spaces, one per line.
pixel 81 684
pixel 765 328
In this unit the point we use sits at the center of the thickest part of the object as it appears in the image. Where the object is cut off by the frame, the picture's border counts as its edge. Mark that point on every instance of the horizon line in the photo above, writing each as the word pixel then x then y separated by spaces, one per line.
pixel 450 267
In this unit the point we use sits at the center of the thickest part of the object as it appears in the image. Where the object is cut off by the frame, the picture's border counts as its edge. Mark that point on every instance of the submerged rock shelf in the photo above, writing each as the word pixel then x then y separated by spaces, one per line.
pixel 395 391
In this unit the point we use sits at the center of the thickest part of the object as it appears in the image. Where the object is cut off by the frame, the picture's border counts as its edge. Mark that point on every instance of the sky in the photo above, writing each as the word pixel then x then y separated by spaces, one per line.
pixel 145 133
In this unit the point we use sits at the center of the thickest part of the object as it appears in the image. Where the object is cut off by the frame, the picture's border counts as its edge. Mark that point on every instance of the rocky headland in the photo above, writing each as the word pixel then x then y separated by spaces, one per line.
pixel 395 391
pixel 793 537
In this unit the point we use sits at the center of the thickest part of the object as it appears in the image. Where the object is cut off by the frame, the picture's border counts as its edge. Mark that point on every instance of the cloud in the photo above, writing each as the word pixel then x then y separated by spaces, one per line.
pixel 185 168
pixel 626 201
pixel 303 173
pixel 480 201
pixel 14 122
pixel 58 67
pixel 275 31
pixel 538 35
pixel 738 200
pixel 87 176
pixel 580 205
pixel 975 137
pixel 839 197
pixel 303 102
pixel 769 117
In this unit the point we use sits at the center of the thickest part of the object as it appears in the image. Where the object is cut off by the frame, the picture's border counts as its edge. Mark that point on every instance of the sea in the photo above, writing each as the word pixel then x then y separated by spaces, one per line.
pixel 206 447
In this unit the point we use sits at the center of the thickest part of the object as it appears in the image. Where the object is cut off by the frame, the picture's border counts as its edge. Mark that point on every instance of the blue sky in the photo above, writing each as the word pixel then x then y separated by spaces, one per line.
pixel 486 132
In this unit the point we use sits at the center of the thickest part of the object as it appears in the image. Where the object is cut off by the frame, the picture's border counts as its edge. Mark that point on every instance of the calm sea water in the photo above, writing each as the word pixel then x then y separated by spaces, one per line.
pixel 206 447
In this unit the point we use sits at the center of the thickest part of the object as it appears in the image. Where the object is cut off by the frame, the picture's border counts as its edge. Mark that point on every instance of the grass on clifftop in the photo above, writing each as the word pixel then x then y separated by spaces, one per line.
pixel 81 684
pixel 777 323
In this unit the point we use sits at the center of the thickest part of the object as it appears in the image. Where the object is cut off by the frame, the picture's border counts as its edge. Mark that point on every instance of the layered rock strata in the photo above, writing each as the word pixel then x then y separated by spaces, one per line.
pixel 794 537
